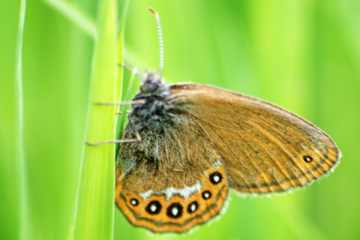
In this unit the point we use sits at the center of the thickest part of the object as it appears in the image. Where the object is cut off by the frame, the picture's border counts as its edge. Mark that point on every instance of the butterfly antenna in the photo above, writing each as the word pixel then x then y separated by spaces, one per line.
pixel 160 37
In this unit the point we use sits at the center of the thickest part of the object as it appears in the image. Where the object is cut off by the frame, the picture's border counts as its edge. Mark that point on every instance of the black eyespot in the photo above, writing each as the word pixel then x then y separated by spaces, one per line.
pixel 308 158
pixel 154 207
pixel 174 210
pixel 215 178
pixel 192 207
pixel 134 202
pixel 206 195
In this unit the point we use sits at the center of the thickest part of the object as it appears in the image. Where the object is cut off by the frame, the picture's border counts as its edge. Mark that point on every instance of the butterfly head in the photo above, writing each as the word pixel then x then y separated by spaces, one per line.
pixel 152 85
pixel 151 105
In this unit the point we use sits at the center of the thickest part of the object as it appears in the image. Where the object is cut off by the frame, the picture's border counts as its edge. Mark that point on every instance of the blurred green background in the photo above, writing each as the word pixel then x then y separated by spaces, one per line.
pixel 302 54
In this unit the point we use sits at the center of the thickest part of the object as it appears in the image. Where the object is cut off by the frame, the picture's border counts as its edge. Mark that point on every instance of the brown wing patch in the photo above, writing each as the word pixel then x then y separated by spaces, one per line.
pixel 161 213
pixel 265 148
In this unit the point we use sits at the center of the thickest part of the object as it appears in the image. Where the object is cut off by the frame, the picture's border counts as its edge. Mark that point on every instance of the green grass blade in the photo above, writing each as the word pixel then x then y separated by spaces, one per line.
pixel 74 14
pixel 21 161
pixel 95 207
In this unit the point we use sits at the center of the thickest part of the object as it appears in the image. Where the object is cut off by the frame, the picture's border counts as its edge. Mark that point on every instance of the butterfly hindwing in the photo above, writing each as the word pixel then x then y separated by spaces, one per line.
pixel 186 187
pixel 265 149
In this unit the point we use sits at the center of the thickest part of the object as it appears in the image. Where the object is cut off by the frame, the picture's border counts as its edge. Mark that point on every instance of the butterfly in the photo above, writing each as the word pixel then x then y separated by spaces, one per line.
pixel 196 142
pixel 186 145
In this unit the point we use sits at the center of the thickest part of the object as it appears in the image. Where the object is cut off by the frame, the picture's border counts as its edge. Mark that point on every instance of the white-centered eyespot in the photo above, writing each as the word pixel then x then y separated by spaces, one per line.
pixel 215 178
pixel 174 210
pixel 192 207
pixel 154 207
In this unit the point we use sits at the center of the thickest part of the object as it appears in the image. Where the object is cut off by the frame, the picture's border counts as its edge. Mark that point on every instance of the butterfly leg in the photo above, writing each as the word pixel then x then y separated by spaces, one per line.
pixel 125 103
pixel 117 141
pixel 124 112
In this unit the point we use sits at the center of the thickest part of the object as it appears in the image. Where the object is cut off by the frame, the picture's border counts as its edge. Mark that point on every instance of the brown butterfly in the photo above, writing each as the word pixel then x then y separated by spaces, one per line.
pixel 186 145
pixel 196 142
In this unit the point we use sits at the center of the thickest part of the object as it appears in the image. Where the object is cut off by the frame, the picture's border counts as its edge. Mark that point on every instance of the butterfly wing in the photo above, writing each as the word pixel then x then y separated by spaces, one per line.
pixel 265 149
pixel 182 186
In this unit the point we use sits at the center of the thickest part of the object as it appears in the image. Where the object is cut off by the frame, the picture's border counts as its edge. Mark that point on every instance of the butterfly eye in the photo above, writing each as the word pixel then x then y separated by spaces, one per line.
pixel 215 178
pixel 206 195
pixel 307 158
pixel 134 202
pixel 192 207
pixel 175 210
pixel 154 207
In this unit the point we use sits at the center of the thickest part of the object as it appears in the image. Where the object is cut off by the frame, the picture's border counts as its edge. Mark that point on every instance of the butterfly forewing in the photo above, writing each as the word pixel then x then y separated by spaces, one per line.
pixel 265 149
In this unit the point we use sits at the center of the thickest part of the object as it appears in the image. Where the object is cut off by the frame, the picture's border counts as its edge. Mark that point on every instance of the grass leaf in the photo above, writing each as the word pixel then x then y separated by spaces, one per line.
pixel 74 14
pixel 21 161
pixel 95 207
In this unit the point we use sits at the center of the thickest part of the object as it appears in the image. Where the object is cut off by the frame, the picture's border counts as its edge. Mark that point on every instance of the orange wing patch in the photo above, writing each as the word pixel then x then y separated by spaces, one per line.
pixel 160 213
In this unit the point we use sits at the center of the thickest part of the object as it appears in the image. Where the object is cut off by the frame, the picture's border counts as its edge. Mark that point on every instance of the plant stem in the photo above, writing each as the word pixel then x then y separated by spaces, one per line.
pixel 95 205
pixel 21 161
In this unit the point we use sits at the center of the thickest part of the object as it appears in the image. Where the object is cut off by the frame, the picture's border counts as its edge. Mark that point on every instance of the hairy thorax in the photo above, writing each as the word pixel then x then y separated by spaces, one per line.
pixel 155 116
